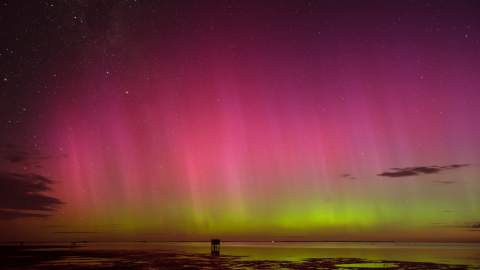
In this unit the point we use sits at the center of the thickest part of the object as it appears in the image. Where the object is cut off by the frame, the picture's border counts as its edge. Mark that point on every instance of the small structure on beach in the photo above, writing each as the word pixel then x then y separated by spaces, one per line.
pixel 215 247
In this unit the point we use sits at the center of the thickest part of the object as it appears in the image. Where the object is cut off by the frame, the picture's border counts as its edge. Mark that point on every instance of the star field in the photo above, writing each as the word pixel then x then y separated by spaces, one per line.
pixel 295 120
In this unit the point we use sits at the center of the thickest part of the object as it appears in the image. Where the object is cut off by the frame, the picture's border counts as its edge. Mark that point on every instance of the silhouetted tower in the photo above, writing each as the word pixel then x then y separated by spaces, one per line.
pixel 215 247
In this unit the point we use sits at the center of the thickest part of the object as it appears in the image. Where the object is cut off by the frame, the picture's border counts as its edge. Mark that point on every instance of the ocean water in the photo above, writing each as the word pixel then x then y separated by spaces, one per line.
pixel 244 255
pixel 444 253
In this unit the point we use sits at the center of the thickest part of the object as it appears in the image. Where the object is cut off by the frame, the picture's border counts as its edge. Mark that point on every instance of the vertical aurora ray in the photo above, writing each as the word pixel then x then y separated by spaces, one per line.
pixel 267 125
pixel 236 157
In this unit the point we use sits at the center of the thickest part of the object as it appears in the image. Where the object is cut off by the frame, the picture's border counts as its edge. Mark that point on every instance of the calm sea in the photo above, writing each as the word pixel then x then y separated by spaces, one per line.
pixel 449 253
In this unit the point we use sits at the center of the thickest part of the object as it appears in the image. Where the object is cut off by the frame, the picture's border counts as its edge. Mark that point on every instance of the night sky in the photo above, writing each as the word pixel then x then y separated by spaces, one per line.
pixel 244 120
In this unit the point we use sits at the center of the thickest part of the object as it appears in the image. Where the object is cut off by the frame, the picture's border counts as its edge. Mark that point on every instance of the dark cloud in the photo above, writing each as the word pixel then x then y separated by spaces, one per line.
pixel 420 170
pixel 18 155
pixel 14 214
pixel 474 227
pixel 15 154
pixel 22 195
pixel 348 176
pixel 468 226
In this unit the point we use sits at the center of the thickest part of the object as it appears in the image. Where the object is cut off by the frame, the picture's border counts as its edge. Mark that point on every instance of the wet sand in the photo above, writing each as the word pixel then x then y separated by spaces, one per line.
pixel 66 257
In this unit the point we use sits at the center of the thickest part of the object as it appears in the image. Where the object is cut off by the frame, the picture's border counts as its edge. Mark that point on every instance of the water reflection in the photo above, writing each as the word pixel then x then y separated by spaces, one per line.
pixel 244 256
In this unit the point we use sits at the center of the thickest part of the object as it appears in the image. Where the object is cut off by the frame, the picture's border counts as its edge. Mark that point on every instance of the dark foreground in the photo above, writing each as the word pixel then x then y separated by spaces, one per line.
pixel 62 257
